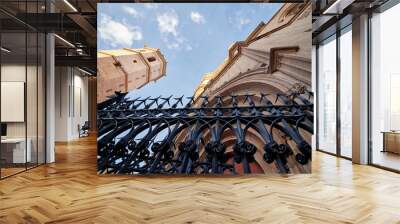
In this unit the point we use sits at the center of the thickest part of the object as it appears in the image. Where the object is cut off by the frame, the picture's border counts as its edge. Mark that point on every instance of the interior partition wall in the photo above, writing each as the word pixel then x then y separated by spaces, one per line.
pixel 71 102
pixel 22 77
pixel 334 94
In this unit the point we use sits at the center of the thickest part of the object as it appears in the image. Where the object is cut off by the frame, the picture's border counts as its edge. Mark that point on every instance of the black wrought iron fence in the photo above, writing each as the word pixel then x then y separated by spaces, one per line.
pixel 170 135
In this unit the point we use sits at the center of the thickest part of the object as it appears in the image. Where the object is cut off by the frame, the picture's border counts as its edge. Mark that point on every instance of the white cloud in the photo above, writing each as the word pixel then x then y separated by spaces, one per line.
pixel 168 22
pixel 132 11
pixel 239 22
pixel 176 43
pixel 173 45
pixel 240 19
pixel 168 26
pixel 118 34
pixel 243 21
pixel 197 18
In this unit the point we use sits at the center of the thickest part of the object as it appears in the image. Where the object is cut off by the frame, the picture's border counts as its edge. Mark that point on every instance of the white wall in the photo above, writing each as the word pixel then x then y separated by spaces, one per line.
pixel 79 117
pixel 61 103
pixel 71 94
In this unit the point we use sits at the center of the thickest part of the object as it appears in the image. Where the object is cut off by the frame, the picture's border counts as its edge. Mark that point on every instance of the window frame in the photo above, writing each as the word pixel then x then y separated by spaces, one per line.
pixel 335 37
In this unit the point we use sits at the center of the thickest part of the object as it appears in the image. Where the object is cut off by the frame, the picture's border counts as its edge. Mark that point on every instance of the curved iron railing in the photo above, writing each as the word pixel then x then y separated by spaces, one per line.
pixel 170 135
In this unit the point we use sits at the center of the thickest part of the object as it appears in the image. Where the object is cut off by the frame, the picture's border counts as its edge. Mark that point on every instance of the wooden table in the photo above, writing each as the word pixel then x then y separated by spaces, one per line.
pixel 391 141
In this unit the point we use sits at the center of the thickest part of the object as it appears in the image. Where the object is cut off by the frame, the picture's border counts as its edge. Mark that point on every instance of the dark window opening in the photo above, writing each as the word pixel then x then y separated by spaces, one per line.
pixel 151 59
pixel 134 61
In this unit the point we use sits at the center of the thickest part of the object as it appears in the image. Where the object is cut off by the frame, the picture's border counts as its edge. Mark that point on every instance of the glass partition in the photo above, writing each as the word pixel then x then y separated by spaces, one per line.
pixel 346 92
pixel 22 88
pixel 334 80
pixel 327 95
pixel 385 89
pixel 14 153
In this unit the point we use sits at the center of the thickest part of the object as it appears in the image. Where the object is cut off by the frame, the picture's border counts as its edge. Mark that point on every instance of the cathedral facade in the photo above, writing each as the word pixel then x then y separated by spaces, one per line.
pixel 275 58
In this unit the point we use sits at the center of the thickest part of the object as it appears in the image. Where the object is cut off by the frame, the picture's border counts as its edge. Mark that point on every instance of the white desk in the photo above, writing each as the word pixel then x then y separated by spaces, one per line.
pixel 19 154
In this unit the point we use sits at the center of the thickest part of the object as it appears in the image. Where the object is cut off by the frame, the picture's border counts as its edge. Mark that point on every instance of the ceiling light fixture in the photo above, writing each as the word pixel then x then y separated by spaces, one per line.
pixel 70 5
pixel 5 50
pixel 64 40
pixel 79 51
pixel 84 71
pixel 337 7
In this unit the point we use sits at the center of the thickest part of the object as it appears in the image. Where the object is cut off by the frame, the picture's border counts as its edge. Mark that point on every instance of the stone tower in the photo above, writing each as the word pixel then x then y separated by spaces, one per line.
pixel 127 69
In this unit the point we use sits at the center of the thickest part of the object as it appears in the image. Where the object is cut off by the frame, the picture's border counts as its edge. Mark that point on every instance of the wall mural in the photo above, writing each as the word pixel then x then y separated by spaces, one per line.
pixel 252 114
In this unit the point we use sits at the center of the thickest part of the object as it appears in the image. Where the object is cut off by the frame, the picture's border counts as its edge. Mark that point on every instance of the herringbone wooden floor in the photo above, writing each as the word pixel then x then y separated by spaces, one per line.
pixel 70 191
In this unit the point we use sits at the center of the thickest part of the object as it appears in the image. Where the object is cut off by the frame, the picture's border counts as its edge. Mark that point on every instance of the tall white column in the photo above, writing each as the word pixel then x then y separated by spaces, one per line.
pixel 50 92
pixel 50 99
pixel 360 90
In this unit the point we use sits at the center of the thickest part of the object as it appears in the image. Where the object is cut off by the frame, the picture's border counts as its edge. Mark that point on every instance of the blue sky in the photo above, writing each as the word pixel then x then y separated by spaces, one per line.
pixel 194 38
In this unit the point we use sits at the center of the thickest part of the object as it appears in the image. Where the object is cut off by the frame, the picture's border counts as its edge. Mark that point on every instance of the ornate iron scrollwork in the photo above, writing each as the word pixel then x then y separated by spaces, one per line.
pixel 165 135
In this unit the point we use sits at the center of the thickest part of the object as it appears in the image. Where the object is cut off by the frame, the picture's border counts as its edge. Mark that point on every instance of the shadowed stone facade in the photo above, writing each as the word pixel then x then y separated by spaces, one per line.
pixel 275 58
